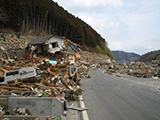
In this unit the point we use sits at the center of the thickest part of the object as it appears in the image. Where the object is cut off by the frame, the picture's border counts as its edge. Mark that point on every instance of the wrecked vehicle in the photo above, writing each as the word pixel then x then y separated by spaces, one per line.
pixel 23 74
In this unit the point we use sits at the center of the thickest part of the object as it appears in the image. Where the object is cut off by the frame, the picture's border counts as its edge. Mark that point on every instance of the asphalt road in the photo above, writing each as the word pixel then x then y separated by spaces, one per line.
pixel 121 98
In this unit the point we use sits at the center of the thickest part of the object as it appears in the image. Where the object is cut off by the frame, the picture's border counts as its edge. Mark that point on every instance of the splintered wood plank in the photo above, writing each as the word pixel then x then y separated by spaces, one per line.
pixel 14 88
pixel 3 70
pixel 9 68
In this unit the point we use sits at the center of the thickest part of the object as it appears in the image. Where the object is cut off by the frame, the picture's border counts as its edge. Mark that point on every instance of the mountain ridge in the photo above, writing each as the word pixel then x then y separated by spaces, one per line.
pixel 122 56
pixel 149 56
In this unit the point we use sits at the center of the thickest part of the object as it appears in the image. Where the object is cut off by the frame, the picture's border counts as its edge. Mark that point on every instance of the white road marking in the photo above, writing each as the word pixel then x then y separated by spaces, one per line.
pixel 84 113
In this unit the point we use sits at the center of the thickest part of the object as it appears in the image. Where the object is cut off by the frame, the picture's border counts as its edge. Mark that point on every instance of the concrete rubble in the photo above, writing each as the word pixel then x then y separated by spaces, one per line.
pixel 27 71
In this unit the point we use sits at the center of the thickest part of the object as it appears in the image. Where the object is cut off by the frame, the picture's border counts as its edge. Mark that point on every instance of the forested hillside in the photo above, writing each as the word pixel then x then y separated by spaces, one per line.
pixel 121 56
pixel 38 16
pixel 148 57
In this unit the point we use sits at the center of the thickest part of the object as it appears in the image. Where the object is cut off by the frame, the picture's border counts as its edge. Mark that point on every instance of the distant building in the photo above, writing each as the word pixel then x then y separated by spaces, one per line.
pixel 155 61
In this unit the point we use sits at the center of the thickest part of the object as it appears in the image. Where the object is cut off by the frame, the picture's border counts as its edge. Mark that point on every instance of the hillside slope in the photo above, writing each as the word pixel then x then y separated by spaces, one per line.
pixel 38 16
pixel 121 56
pixel 148 57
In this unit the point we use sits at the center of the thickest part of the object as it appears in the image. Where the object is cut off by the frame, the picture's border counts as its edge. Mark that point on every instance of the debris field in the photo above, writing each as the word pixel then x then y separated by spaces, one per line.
pixel 52 67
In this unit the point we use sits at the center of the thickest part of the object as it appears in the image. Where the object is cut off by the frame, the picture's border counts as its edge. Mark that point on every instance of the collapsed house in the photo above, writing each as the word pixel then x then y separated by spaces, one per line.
pixel 52 44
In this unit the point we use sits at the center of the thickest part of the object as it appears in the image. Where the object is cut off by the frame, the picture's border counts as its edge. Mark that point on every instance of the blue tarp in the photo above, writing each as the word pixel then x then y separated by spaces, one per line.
pixel 73 69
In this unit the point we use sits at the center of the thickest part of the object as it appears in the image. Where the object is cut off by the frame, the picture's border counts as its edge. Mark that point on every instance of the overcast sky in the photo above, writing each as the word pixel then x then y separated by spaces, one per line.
pixel 128 25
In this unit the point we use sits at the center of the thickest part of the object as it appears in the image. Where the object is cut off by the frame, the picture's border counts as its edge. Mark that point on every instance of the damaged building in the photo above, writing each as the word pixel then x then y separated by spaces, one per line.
pixel 50 44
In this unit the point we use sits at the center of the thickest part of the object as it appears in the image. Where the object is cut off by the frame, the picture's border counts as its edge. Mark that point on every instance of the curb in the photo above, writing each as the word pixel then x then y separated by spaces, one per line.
pixel 82 105
pixel 84 113
pixel 74 115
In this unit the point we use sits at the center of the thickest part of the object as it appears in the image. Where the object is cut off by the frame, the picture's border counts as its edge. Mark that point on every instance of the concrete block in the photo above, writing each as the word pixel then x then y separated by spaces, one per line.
pixel 4 102
pixel 43 106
